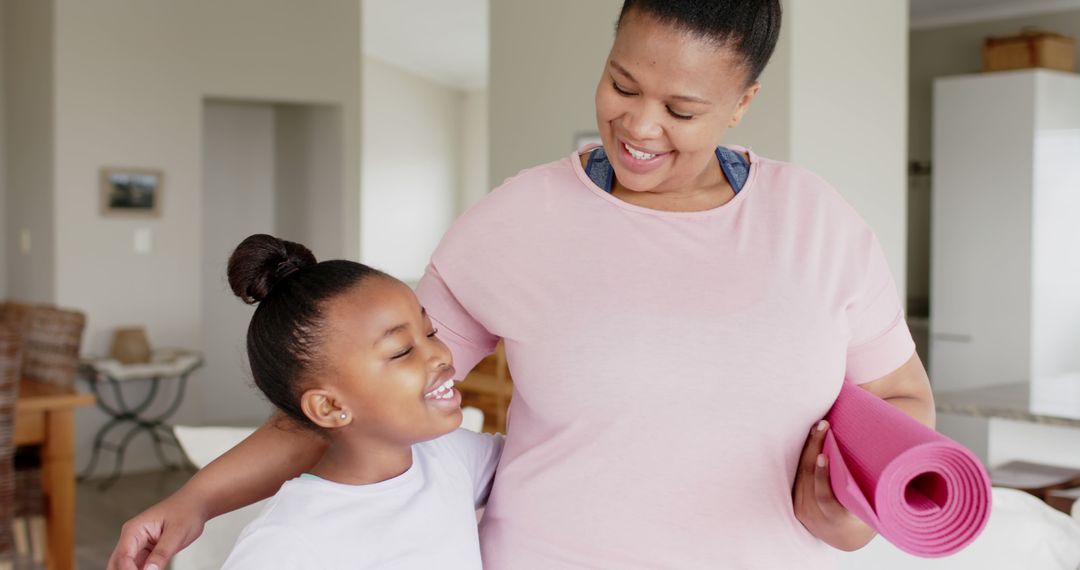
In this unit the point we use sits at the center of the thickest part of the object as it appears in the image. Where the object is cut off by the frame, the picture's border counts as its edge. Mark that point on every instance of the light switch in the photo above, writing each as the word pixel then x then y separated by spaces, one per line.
pixel 144 241
pixel 24 241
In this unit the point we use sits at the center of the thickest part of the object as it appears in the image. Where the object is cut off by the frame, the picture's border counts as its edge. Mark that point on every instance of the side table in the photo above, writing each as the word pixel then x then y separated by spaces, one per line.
pixel 164 365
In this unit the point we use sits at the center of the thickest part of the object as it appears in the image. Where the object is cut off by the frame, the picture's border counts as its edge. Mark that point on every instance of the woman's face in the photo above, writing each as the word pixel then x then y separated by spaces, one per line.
pixel 386 368
pixel 663 103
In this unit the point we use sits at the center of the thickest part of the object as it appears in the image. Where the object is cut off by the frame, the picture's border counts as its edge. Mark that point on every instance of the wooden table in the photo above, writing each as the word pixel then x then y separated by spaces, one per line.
pixel 45 416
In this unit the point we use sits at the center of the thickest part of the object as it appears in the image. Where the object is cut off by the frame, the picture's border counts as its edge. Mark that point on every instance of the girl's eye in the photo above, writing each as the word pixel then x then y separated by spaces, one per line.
pixel 433 333
pixel 402 354
pixel 622 91
pixel 678 115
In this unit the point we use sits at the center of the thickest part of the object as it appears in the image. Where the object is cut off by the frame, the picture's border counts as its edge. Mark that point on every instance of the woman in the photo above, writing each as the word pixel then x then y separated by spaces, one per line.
pixel 677 317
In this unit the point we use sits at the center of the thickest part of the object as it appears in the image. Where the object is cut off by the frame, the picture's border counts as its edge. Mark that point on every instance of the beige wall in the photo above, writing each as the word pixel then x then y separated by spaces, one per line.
pixel 131 78
pixel 940 52
pixel 3 171
pixel 849 109
pixel 29 144
pixel 411 157
pixel 766 127
pixel 475 162
pixel 546 58
pixel 839 111
pixel 239 178
pixel 308 163
pixel 130 87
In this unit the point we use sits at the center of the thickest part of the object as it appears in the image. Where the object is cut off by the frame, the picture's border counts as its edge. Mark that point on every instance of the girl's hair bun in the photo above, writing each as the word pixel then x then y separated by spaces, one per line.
pixel 262 261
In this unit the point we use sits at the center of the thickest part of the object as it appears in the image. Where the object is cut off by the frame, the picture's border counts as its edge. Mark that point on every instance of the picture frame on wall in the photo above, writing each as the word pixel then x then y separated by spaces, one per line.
pixel 131 192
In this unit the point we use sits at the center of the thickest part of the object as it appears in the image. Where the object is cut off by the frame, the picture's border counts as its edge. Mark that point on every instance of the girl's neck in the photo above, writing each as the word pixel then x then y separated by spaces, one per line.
pixel 358 460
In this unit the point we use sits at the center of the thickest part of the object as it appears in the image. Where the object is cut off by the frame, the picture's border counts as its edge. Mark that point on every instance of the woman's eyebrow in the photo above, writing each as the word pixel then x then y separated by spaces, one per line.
pixel 622 70
pixel 687 98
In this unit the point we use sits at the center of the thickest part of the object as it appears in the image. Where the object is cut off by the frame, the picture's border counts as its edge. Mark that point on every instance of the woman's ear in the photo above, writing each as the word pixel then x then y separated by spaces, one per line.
pixel 324 409
pixel 744 104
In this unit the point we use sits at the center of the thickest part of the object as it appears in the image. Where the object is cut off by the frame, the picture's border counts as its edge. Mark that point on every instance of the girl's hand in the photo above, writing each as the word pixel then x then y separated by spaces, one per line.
pixel 149 541
pixel 815 505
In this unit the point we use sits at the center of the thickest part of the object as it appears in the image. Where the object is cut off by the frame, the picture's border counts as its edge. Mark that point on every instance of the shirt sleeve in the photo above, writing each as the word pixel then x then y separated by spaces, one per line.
pixel 480 453
pixel 880 340
pixel 467 339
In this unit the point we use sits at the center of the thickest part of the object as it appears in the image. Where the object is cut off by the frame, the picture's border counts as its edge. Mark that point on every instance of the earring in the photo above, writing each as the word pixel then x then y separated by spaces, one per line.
pixel 344 415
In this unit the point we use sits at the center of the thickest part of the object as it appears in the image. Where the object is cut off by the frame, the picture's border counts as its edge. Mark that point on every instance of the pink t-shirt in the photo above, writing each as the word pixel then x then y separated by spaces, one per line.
pixel 667 366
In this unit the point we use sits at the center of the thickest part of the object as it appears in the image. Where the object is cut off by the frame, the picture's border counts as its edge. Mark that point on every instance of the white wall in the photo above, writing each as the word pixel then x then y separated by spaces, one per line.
pixel 131 78
pixel 239 174
pixel 849 113
pixel 308 162
pixel 411 156
pixel 840 110
pixel 29 145
pixel 266 169
pixel 474 149
pixel 546 59
pixel 766 127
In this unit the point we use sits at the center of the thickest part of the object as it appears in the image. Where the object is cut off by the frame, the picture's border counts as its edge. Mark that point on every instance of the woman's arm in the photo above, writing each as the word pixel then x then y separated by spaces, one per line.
pixel 249 472
pixel 908 389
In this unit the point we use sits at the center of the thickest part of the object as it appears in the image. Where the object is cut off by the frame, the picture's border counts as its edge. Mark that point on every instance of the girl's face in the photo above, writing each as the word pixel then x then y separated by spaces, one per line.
pixel 663 103
pixel 386 370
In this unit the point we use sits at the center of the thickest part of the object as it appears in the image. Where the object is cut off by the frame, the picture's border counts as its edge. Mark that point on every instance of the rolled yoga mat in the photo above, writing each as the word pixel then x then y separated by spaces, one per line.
pixel 922 491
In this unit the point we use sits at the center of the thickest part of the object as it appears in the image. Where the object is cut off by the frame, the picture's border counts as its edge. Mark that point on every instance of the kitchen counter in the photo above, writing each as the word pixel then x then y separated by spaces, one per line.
pixel 1050 402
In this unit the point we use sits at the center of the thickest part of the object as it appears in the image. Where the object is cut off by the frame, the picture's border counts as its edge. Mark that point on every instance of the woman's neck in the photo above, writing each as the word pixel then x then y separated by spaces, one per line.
pixel 360 460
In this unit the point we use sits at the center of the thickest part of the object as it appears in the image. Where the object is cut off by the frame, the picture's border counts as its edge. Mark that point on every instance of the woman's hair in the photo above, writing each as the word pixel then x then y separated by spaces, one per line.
pixel 749 27
pixel 291 289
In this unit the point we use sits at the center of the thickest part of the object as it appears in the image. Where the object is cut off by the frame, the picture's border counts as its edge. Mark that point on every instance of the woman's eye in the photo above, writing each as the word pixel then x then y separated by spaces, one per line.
pixel 678 115
pixel 433 333
pixel 622 91
pixel 402 354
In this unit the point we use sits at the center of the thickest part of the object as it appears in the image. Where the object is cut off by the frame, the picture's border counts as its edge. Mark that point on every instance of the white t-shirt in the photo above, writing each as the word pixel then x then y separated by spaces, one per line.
pixel 424 518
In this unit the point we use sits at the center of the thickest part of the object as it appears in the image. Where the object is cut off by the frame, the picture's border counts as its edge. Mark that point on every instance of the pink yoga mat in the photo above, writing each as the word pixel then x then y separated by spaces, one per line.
pixel 925 493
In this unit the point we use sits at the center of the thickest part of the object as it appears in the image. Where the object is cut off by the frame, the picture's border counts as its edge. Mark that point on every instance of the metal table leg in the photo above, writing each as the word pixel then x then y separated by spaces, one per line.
pixel 122 414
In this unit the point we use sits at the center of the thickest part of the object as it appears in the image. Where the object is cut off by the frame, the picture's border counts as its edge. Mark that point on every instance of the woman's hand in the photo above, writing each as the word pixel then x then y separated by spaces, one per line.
pixel 815 505
pixel 149 541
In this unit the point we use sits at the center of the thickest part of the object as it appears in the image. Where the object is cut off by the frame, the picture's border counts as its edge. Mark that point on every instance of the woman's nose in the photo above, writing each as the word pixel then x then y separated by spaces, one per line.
pixel 643 124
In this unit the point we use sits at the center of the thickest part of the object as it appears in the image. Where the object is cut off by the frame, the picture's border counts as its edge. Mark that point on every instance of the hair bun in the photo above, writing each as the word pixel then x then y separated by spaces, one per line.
pixel 262 261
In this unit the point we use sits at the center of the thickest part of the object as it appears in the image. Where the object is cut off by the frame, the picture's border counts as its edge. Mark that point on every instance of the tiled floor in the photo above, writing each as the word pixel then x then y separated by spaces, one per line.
pixel 100 514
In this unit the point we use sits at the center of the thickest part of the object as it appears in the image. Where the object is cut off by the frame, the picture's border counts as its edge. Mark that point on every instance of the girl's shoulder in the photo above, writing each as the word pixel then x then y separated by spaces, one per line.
pixel 464 445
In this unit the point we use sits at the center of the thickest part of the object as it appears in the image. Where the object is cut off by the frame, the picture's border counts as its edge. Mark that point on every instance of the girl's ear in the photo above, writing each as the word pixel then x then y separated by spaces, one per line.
pixel 324 409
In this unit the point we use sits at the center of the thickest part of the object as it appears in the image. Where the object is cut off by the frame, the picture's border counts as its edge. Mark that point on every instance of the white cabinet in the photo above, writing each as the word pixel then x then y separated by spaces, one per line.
pixel 1005 254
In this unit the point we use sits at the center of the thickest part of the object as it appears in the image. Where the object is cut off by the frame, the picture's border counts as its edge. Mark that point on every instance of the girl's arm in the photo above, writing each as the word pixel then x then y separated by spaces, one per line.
pixel 247 473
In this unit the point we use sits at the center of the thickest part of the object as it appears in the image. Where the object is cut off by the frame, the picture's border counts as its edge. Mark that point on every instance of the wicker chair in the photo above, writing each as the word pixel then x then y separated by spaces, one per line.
pixel 49 339
pixel 9 386
pixel 51 342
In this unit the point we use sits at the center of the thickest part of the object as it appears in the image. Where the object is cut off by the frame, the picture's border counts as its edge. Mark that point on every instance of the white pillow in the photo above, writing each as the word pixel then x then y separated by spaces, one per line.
pixel 1023 532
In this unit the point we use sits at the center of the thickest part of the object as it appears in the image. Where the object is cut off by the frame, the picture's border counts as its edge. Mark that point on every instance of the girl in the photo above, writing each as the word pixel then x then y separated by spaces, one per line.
pixel 347 352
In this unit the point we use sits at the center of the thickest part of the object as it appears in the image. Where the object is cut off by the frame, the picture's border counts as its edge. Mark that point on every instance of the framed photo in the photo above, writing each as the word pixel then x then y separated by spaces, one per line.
pixel 131 192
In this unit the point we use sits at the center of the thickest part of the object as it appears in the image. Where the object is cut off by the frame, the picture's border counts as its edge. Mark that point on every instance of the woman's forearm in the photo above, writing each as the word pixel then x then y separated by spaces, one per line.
pixel 254 469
